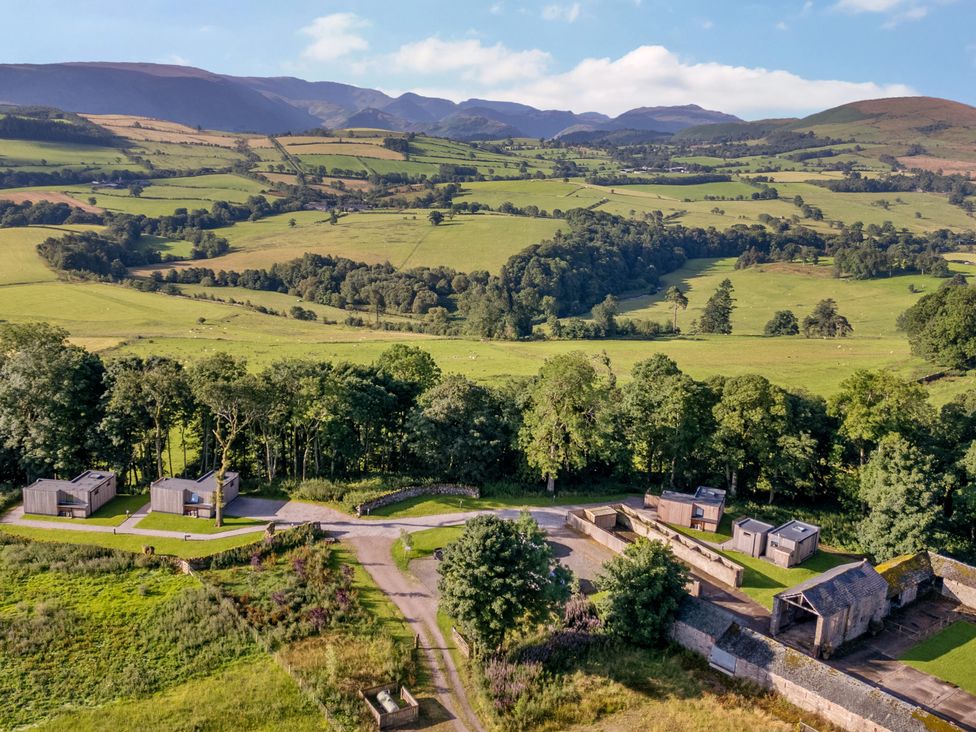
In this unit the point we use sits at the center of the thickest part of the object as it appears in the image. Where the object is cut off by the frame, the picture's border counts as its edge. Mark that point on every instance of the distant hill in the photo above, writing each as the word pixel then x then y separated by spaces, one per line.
pixel 182 94
pixel 899 119
pixel 198 97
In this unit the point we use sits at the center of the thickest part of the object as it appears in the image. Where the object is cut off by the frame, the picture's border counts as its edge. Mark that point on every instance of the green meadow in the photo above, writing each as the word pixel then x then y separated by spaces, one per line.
pixel 404 239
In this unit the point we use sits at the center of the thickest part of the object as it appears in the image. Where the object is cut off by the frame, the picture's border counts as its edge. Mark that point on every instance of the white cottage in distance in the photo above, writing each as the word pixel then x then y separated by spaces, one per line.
pixel 186 497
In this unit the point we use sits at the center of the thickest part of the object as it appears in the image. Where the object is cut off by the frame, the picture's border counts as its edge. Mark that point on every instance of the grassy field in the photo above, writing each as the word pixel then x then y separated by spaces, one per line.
pixel 21 263
pixel 190 525
pixel 948 655
pixel 18 153
pixel 132 543
pixel 80 628
pixel 871 306
pixel 165 195
pixel 104 315
pixel 113 513
pixel 264 699
pixel 466 243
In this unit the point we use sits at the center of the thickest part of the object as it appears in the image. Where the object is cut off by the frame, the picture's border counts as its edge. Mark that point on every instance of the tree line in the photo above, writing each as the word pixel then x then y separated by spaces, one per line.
pixel 877 450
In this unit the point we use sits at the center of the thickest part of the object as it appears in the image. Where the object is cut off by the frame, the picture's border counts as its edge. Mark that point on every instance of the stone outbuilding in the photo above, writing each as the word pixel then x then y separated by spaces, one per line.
pixel 76 498
pixel 702 510
pixel 792 543
pixel 749 536
pixel 835 607
pixel 195 498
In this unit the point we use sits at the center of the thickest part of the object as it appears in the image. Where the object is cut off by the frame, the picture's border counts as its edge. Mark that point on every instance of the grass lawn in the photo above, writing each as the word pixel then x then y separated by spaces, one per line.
pixel 723 534
pixel 949 655
pixel 423 544
pixel 761 579
pixel 435 505
pixel 264 698
pixel 132 543
pixel 112 513
pixel 190 525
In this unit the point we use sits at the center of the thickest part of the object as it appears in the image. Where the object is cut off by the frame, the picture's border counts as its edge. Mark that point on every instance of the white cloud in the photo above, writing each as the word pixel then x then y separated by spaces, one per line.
pixel 782 25
pixel 897 11
pixel 488 65
pixel 174 59
pixel 568 13
pixel 707 24
pixel 653 75
pixel 334 36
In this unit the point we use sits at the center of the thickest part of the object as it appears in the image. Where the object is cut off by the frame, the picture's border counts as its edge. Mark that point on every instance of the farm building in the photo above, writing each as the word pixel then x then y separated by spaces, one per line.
pixel 701 510
pixel 792 543
pixel 909 577
pixel 842 602
pixel 749 536
pixel 78 498
pixel 192 497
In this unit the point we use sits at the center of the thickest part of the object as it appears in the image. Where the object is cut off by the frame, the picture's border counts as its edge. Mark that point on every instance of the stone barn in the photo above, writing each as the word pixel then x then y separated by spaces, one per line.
pixel 749 536
pixel 835 607
pixel 76 498
pixel 792 543
pixel 192 497
pixel 701 510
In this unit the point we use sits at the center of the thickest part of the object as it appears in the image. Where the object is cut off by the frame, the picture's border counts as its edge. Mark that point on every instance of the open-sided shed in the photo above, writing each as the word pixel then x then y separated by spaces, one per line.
pixel 840 605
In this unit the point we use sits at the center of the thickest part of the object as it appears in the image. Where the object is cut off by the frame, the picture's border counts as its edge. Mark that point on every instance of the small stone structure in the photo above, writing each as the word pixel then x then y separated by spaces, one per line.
pixel 403 494
pixel 749 536
pixel 702 510
pixel 407 709
pixel 185 497
pixel 605 517
pixel 690 551
pixel 844 602
pixel 76 498
pixel 792 543
pixel 828 692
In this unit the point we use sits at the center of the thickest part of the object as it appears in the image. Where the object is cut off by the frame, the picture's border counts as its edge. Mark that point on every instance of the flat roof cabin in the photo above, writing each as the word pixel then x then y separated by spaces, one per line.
pixel 792 543
pixel 186 497
pixel 701 510
pixel 76 498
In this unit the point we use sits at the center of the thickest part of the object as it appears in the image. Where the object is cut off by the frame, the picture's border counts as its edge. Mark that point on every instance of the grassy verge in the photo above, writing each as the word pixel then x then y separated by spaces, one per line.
pixel 189 525
pixel 436 505
pixel 948 655
pixel 131 543
pixel 112 513
pixel 423 544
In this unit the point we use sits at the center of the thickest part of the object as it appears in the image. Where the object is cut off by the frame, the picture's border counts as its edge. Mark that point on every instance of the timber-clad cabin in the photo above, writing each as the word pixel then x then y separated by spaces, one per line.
pixel 700 510
pixel 186 497
pixel 77 498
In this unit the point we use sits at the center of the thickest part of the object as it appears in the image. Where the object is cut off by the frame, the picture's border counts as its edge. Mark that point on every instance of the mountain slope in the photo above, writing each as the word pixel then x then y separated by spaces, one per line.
pixel 179 93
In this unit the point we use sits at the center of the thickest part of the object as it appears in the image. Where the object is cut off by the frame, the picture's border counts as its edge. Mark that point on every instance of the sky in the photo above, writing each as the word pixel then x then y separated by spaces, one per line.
pixel 758 58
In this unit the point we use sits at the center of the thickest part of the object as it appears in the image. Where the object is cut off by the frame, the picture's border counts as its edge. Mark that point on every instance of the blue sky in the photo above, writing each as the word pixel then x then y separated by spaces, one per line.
pixel 754 59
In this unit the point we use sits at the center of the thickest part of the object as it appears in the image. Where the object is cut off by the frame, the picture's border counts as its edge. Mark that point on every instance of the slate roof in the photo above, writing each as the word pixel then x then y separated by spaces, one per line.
pixel 704 616
pixel 753 525
pixel 795 530
pixel 89 480
pixel 839 588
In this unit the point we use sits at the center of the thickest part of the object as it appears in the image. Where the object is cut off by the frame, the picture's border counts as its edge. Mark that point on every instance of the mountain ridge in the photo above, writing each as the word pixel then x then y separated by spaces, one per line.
pixel 199 97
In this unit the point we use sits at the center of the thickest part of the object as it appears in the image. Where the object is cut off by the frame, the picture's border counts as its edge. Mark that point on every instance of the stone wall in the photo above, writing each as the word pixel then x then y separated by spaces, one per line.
pixel 421 490
pixel 577 521
pixel 803 681
pixel 688 550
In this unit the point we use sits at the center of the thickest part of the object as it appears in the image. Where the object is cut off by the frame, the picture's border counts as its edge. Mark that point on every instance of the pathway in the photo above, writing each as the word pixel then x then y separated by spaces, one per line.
pixel 419 608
